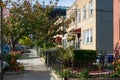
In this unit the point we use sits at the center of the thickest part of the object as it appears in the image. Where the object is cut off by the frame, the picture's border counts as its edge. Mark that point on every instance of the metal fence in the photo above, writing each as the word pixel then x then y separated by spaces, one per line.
pixel 52 61
pixel 101 70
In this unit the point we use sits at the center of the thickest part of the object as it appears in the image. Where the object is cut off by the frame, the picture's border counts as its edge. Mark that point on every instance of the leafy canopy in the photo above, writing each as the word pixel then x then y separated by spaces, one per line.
pixel 26 18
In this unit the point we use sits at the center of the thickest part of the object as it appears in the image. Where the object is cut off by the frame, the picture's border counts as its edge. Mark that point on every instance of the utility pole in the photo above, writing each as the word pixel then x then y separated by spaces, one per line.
pixel 1 14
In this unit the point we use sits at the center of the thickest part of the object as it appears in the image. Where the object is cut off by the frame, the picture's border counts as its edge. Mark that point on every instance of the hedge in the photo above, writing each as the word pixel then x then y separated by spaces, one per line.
pixel 84 57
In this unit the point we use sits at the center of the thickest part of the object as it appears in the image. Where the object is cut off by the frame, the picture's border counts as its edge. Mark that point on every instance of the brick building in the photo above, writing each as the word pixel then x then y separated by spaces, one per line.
pixel 116 25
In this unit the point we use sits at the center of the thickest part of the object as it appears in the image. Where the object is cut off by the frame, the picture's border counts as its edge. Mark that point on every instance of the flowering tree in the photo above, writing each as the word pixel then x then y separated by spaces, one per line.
pixel 26 18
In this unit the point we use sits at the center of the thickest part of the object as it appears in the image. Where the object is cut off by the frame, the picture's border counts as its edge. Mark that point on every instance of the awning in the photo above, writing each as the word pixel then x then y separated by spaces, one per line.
pixel 76 31
pixel 58 39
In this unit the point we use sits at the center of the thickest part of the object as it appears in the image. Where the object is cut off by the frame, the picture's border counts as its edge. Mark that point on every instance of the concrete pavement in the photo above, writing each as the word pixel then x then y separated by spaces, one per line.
pixel 35 69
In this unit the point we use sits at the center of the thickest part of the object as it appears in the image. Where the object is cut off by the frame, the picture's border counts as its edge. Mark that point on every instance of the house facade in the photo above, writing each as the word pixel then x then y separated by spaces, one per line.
pixel 91 25
pixel 116 26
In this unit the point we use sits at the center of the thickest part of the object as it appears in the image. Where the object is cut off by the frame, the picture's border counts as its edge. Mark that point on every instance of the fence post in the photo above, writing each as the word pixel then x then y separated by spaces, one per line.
pixel 47 58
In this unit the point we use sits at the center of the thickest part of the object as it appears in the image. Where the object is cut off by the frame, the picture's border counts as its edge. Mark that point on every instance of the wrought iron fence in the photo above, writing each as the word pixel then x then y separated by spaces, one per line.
pixel 104 71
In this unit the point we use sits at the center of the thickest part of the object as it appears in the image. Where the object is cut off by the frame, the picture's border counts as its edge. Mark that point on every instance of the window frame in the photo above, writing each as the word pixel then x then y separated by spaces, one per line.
pixel 90 8
pixel 79 15
pixel 84 13
pixel 87 36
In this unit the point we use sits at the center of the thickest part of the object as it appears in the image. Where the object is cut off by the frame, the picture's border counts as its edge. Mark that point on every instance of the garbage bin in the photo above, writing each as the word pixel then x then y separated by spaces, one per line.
pixel 110 58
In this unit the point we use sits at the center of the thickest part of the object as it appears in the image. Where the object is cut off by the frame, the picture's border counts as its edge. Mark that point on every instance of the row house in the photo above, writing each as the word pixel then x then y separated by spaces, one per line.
pixel 91 26
pixel 116 28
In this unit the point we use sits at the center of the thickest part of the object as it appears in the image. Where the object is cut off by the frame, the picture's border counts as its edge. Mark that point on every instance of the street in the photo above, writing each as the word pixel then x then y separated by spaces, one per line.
pixel 35 69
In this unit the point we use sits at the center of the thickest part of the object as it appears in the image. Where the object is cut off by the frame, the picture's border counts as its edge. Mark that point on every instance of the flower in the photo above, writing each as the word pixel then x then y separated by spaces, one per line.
pixel 113 62
pixel 118 61
pixel 13 60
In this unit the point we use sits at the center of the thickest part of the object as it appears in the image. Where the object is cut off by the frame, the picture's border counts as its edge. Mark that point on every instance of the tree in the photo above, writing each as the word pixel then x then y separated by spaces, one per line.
pixel 26 41
pixel 27 18
pixel 46 27
pixel 18 23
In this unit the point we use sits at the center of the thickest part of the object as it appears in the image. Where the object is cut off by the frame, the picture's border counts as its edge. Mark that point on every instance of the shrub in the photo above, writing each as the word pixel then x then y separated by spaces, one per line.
pixel 11 59
pixel 84 74
pixel 116 65
pixel 115 75
pixel 66 55
pixel 65 73
pixel 82 57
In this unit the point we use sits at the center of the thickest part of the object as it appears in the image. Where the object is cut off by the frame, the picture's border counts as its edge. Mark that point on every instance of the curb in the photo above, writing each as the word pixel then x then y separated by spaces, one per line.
pixel 55 75
pixel 52 72
pixel 43 60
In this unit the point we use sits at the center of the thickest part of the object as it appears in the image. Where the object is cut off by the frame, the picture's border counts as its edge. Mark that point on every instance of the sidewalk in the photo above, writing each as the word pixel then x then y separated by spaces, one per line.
pixel 35 69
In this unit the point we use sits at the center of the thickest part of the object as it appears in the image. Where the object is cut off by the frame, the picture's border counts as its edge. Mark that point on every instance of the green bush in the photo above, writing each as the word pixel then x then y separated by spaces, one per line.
pixel 115 75
pixel 66 55
pixel 84 74
pixel 65 73
pixel 11 59
pixel 84 57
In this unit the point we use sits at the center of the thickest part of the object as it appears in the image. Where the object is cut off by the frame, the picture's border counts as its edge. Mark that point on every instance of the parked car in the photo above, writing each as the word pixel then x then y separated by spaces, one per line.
pixel 6 49
pixel 4 65
pixel 20 48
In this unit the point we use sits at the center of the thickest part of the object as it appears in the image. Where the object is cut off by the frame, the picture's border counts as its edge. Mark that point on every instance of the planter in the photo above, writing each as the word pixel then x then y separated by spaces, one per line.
pixel 95 79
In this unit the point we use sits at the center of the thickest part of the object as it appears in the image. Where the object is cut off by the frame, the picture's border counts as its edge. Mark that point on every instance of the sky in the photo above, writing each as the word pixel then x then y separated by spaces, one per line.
pixel 66 3
pixel 61 2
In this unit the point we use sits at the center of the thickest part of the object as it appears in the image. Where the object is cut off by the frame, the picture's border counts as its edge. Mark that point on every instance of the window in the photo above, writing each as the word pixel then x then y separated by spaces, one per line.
pixel 87 33
pixel 87 36
pixel 84 12
pixel 84 37
pixel 90 8
pixel 79 15
pixel 90 35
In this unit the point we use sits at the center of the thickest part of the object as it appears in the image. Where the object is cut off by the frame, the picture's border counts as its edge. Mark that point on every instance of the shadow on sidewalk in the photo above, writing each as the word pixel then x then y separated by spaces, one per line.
pixel 29 58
